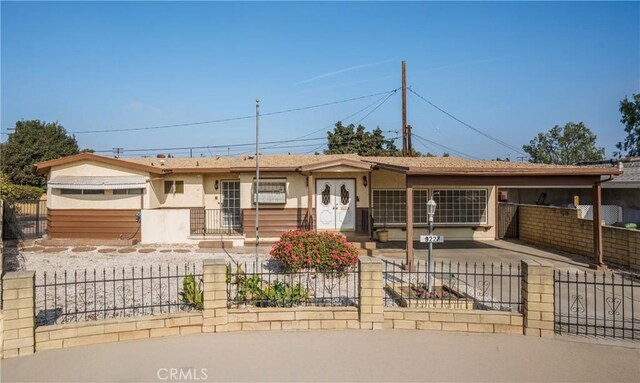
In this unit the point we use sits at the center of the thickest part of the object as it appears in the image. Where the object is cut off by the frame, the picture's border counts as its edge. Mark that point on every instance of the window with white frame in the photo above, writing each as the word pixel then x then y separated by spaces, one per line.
pixel 454 206
pixel 389 207
pixel 460 206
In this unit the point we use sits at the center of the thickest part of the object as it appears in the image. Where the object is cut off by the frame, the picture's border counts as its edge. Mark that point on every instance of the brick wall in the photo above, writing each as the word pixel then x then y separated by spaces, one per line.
pixel 116 330
pixel 563 229
pixel 453 320
pixel 20 337
pixel 298 318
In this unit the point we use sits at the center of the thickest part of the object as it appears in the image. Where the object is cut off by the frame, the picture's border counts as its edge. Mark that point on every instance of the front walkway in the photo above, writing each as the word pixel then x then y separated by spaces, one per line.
pixel 347 356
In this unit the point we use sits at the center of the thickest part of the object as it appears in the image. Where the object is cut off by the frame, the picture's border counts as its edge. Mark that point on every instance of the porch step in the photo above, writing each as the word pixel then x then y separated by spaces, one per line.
pixel 215 244
pixel 369 252
pixel 369 245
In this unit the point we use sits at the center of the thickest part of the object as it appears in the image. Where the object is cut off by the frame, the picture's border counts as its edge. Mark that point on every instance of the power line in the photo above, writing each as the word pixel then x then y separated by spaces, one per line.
pixel 229 119
pixel 423 140
pixel 374 109
pixel 349 116
pixel 496 140
pixel 210 146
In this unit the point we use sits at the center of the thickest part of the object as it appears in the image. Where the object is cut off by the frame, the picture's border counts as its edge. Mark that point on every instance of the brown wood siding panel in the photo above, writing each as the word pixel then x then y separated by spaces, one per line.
pixel 273 222
pixel 89 223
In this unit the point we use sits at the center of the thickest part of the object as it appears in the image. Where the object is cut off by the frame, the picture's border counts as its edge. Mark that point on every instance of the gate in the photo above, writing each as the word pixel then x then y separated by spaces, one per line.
pixel 507 220
pixel 24 219
pixel 596 304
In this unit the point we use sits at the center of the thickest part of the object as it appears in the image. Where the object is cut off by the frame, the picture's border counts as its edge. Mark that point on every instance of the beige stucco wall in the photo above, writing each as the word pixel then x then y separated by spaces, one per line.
pixel 165 226
pixel 55 200
pixel 193 195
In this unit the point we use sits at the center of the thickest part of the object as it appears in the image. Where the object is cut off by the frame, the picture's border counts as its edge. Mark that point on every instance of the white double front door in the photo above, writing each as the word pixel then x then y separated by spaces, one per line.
pixel 335 204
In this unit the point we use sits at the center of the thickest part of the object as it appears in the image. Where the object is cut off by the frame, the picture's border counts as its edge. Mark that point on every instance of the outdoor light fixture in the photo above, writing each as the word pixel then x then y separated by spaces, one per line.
pixel 365 182
pixel 215 185
pixel 431 210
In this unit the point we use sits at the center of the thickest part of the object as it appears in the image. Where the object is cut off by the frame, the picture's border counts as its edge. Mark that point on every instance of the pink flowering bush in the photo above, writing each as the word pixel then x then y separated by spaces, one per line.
pixel 322 251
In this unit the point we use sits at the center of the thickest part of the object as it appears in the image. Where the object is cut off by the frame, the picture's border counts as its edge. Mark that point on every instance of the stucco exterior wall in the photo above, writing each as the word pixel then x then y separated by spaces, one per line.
pixel 193 195
pixel 165 226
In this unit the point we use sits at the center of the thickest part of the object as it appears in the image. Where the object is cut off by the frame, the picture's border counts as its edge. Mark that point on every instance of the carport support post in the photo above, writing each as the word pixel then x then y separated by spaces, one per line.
pixel 538 298
pixel 409 264
pixel 18 327
pixel 215 313
pixel 598 261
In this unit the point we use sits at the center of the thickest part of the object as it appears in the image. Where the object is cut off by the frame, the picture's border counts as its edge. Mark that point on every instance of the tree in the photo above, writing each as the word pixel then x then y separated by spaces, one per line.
pixel 34 141
pixel 352 139
pixel 631 119
pixel 565 145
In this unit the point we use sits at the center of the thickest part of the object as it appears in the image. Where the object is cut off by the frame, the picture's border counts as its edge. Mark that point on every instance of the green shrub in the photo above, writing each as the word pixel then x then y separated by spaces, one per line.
pixel 253 289
pixel 321 251
pixel 191 293
pixel 9 191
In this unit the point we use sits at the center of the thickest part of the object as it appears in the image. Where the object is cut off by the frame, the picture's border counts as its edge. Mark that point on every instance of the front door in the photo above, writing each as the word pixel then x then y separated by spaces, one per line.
pixel 335 204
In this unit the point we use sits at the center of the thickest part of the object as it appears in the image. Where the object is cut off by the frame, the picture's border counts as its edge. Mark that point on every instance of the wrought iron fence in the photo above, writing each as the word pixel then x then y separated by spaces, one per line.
pixel 596 304
pixel 216 221
pixel 24 219
pixel 454 286
pixel 87 295
pixel 270 284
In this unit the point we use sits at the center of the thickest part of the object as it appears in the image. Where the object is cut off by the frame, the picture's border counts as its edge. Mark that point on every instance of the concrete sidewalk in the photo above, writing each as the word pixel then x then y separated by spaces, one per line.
pixel 346 356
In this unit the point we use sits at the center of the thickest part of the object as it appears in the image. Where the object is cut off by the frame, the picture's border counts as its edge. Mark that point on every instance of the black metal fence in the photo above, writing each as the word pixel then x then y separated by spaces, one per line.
pixel 269 284
pixel 454 286
pixel 24 219
pixel 596 304
pixel 87 295
pixel 216 221
pixel 508 220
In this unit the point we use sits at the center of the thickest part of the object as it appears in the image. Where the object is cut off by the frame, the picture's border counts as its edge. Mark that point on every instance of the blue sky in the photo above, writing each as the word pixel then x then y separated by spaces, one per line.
pixel 509 69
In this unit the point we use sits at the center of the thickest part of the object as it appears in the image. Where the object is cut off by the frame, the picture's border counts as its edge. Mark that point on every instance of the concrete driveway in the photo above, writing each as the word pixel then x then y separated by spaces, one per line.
pixel 336 356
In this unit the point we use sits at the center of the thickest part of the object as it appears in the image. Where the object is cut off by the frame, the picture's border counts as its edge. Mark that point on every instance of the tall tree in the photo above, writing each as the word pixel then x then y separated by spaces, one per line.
pixel 565 145
pixel 34 141
pixel 631 119
pixel 352 139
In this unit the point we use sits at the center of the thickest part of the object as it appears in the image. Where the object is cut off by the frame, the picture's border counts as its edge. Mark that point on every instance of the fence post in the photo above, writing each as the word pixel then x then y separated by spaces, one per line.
pixel 371 292
pixel 215 295
pixel 538 298
pixel 18 330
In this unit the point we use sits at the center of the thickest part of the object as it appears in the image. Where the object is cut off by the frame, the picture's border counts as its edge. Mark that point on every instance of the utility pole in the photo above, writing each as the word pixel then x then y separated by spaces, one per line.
pixel 257 179
pixel 117 152
pixel 409 145
pixel 404 108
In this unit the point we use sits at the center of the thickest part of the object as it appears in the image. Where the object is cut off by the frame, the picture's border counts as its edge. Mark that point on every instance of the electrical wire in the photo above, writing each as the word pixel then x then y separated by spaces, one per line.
pixel 422 140
pixel 228 119
pixel 386 96
pixel 496 140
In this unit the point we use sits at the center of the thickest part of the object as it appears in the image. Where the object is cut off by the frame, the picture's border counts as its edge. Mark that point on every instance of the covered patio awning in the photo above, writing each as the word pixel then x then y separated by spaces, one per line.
pixel 97 182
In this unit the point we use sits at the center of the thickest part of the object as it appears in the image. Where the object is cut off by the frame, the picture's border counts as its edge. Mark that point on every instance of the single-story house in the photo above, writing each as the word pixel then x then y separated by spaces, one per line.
pixel 173 200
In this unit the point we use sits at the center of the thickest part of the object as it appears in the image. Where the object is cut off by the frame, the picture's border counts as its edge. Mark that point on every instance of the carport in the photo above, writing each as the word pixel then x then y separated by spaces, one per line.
pixel 512 177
